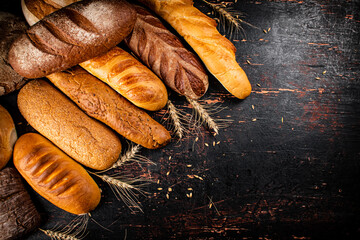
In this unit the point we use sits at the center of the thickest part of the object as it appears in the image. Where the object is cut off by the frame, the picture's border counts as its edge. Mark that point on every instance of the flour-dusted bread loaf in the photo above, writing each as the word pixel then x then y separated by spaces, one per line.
pixel 71 35
pixel 57 118
pixel 217 52
pixel 18 215
pixel 54 175
pixel 11 27
pixel 129 77
pixel 164 53
pixel 8 136
pixel 101 102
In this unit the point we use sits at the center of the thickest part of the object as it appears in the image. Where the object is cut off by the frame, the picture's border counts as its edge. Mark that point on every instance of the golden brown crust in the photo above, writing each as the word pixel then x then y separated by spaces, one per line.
pixel 101 102
pixel 217 52
pixel 8 136
pixel 54 175
pixel 129 77
pixel 164 53
pixel 57 118
pixel 71 35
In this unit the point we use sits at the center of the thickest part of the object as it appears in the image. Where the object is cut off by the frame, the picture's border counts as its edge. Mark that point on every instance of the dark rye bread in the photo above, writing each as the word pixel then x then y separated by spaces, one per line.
pixel 70 36
pixel 58 119
pixel 18 215
pixel 103 103
pixel 164 53
pixel 11 27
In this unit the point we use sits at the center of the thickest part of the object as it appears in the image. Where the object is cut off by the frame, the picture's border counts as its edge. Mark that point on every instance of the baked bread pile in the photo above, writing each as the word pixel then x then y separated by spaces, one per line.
pixel 84 90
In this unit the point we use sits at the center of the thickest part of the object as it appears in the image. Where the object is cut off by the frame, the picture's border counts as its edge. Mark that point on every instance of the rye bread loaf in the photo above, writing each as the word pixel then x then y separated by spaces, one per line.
pixel 71 35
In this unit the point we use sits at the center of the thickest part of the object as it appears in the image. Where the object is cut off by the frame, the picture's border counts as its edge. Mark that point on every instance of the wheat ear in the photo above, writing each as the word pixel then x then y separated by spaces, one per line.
pixel 124 188
pixel 226 18
pixel 177 118
pixel 68 233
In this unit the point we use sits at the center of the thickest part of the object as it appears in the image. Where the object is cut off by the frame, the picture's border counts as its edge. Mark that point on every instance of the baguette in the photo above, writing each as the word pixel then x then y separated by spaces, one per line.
pixel 199 31
pixel 71 35
pixel 164 53
pixel 130 78
pixel 57 118
pixel 101 102
pixel 54 175
pixel 8 136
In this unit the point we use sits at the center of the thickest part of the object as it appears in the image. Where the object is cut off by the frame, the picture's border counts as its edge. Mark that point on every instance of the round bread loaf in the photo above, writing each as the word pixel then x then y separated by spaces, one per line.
pixel 8 136
pixel 11 27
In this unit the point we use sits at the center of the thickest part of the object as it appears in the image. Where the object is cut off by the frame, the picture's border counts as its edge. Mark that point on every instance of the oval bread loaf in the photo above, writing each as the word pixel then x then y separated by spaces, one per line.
pixel 71 35
pixel 101 102
pixel 126 75
pixel 8 136
pixel 54 175
pixel 57 118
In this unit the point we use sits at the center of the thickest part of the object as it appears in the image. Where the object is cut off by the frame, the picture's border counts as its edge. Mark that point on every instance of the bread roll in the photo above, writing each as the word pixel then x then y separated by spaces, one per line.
pixel 57 118
pixel 11 27
pixel 18 214
pixel 217 52
pixel 8 136
pixel 101 102
pixel 130 78
pixel 54 175
pixel 71 35
pixel 164 53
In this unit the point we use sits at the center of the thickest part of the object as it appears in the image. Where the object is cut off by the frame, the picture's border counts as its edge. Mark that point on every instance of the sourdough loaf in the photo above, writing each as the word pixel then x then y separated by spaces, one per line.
pixel 8 136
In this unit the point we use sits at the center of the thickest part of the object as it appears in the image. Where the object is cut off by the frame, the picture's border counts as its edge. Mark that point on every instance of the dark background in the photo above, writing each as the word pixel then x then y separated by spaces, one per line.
pixel 287 167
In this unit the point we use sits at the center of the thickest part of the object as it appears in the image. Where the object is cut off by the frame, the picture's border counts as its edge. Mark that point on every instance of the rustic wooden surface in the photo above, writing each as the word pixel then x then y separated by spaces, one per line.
pixel 288 165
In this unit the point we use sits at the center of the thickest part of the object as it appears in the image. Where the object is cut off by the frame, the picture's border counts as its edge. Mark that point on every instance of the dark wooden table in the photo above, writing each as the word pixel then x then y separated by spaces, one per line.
pixel 287 167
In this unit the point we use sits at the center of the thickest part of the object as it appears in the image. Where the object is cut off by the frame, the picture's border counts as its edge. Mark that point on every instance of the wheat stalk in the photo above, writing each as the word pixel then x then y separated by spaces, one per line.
pixel 177 118
pixel 226 18
pixel 124 189
pixel 67 233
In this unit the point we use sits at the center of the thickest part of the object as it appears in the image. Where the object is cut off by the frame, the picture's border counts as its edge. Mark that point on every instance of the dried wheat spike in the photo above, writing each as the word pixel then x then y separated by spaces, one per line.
pixel 178 118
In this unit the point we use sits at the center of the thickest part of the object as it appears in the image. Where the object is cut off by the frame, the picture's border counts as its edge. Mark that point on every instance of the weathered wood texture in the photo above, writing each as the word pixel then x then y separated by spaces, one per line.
pixel 288 165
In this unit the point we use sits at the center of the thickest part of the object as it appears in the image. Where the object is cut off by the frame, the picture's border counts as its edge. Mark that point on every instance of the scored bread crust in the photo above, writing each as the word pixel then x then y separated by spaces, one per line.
pixel 129 77
pixel 8 136
pixel 101 102
pixel 71 35
pixel 57 118
pixel 54 175
pixel 164 53
pixel 216 51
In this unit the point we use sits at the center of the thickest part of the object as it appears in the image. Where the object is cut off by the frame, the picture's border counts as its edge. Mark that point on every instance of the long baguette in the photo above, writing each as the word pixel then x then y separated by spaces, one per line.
pixel 101 102
pixel 71 35
pixel 54 175
pixel 217 52
pixel 57 118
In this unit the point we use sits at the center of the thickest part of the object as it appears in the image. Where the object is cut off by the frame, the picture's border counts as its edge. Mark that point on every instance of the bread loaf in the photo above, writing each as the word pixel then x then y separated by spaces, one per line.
pixel 8 136
pixel 18 214
pixel 11 27
pixel 164 53
pixel 71 35
pixel 217 52
pixel 54 175
pixel 101 102
pixel 57 118
pixel 129 77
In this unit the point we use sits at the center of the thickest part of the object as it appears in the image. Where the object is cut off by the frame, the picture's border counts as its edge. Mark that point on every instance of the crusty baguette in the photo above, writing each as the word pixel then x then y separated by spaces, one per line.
pixel 18 215
pixel 57 118
pixel 54 175
pixel 8 136
pixel 164 53
pixel 129 77
pixel 101 102
pixel 71 35
pixel 217 52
